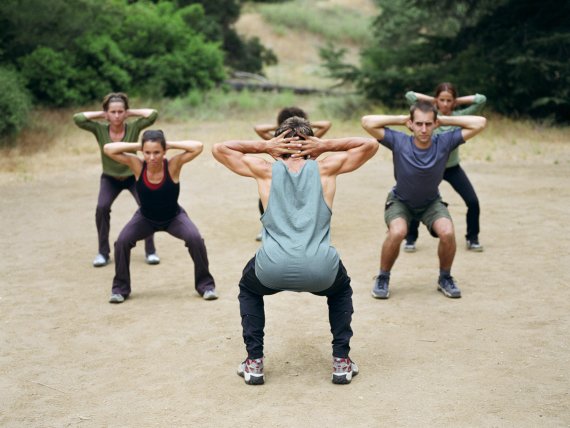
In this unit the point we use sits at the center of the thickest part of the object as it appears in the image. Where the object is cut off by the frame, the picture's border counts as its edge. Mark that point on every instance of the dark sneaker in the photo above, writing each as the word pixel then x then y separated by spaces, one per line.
pixel 252 371
pixel 473 245
pixel 447 286
pixel 410 247
pixel 343 370
pixel 381 289
pixel 100 260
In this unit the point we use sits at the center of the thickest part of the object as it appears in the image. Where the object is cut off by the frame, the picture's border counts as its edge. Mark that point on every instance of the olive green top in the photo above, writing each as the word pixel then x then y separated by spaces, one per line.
pixel 101 132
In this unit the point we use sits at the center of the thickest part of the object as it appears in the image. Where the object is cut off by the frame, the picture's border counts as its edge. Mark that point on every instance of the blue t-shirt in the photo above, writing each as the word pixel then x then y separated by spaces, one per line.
pixel 418 171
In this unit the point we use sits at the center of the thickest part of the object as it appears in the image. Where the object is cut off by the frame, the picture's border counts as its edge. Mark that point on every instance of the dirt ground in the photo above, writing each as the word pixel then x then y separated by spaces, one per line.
pixel 498 357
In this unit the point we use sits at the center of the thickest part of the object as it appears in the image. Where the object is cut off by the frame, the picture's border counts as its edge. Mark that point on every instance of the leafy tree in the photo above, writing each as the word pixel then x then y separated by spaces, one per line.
pixel 514 51
pixel 15 103
pixel 74 52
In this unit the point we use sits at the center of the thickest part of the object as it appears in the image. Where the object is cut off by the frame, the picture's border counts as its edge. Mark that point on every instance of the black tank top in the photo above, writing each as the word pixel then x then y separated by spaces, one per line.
pixel 159 202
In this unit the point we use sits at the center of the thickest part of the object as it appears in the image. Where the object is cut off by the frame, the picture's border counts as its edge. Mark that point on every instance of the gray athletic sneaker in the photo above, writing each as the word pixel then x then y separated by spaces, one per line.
pixel 447 286
pixel 252 371
pixel 381 289
pixel 473 245
pixel 343 370
pixel 116 298
pixel 410 247
pixel 100 260
pixel 210 294
pixel 152 259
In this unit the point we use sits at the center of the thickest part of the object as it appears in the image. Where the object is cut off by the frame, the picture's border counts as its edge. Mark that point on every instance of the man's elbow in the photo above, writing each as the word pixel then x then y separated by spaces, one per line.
pixel 366 122
pixel 482 123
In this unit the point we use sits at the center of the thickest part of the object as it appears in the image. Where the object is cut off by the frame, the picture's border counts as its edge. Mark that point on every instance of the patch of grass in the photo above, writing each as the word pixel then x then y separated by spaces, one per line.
pixel 220 104
pixel 332 22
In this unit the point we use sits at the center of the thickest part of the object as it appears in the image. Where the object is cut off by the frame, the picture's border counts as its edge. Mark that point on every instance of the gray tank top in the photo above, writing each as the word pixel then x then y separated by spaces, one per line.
pixel 295 253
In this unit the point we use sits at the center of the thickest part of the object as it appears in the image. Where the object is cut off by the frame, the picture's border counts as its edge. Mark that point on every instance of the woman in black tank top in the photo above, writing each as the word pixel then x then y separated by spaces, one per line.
pixel 158 186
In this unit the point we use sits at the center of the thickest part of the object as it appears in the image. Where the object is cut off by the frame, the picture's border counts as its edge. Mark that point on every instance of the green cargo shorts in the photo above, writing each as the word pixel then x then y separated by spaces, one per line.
pixel 427 215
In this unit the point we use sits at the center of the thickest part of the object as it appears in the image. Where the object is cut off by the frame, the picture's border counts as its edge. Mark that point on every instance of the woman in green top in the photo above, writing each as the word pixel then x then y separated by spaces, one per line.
pixel 115 177
pixel 446 101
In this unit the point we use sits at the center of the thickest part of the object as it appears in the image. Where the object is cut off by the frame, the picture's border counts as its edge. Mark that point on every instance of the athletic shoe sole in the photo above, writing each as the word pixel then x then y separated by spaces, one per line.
pixel 447 293
pixel 252 379
pixel 380 296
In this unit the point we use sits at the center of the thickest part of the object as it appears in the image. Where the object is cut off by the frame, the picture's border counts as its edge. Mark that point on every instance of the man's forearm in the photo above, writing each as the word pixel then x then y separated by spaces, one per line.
pixel 343 144
pixel 381 121
pixel 466 122
pixel 246 147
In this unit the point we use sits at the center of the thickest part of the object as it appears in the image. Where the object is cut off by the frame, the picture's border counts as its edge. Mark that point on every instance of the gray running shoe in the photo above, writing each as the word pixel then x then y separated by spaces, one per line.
pixel 152 259
pixel 252 371
pixel 410 247
pixel 381 289
pixel 447 286
pixel 210 295
pixel 473 245
pixel 116 298
pixel 100 260
pixel 343 370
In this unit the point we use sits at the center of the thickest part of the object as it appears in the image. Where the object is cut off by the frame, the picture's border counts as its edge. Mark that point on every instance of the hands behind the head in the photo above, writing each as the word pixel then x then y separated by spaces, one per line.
pixel 297 146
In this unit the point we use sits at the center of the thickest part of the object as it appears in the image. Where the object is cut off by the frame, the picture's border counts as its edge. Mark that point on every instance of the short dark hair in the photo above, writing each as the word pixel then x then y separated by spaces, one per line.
pixel 423 106
pixel 115 97
pixel 288 112
pixel 155 135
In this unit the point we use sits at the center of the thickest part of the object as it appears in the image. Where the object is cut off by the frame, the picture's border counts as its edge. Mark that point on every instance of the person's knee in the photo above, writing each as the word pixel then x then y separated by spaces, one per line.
pixel 443 228
pixel 398 230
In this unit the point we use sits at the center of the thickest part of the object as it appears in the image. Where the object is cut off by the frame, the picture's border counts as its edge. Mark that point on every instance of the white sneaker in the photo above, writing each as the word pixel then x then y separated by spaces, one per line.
pixel 210 295
pixel 474 246
pixel 152 259
pixel 116 298
pixel 100 260
pixel 258 237
pixel 410 247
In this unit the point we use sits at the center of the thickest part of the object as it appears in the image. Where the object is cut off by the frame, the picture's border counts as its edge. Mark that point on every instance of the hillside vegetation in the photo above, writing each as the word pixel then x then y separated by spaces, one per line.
pixel 199 115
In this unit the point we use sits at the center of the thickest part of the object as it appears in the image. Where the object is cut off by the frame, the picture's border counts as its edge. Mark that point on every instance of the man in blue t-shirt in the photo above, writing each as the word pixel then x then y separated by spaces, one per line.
pixel 419 164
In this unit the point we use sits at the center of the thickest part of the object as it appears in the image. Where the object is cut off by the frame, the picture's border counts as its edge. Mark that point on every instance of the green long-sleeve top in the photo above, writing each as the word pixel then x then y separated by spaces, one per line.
pixel 101 132
pixel 476 107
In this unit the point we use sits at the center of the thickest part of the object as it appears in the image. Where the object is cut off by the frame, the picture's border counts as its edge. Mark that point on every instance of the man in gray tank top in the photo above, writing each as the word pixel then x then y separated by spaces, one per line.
pixel 419 165
pixel 297 193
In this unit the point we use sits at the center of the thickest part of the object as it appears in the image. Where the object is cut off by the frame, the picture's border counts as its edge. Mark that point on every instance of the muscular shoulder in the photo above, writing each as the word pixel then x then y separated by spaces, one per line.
pixel 259 167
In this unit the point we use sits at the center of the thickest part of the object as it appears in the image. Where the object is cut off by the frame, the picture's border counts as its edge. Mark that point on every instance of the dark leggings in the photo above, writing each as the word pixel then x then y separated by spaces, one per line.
pixel 109 189
pixel 140 227
pixel 456 176
pixel 339 300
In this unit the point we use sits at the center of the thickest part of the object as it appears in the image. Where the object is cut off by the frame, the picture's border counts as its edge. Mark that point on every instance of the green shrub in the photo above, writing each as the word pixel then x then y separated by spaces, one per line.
pixel 51 77
pixel 15 103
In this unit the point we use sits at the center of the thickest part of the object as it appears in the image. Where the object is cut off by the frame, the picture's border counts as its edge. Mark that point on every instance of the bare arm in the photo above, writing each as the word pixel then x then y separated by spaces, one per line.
pixel 191 149
pixel 232 154
pixel 125 153
pixel 355 152
pixel 321 127
pixel 375 124
pixel 265 131
pixel 471 125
